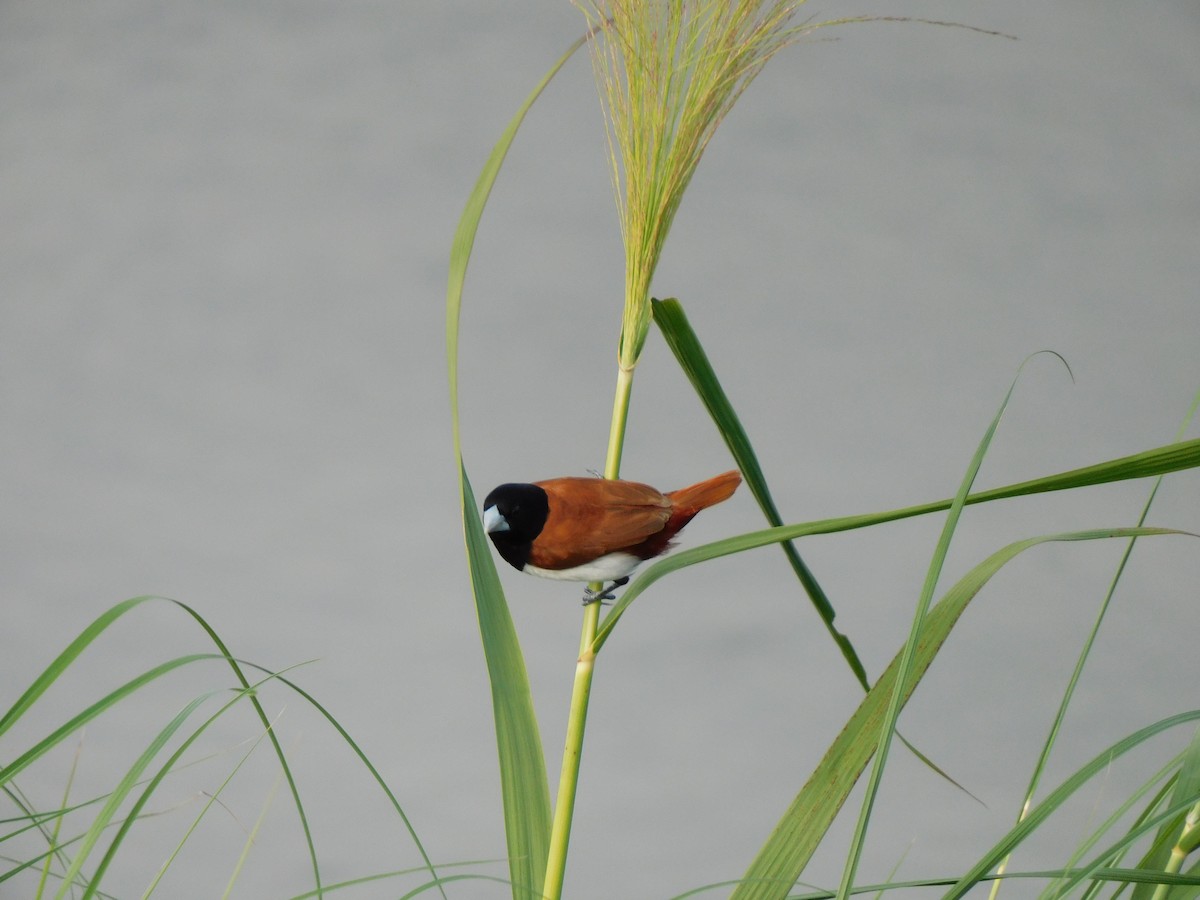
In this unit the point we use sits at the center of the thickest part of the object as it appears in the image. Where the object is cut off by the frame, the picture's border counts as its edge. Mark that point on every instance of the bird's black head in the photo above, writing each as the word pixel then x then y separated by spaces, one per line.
pixel 513 515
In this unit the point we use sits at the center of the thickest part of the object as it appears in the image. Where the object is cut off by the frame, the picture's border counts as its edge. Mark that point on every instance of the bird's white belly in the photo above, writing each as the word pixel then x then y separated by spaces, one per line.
pixel 609 567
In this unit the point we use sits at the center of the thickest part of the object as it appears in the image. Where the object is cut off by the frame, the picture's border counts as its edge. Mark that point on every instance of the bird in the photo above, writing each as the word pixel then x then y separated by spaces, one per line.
pixel 592 529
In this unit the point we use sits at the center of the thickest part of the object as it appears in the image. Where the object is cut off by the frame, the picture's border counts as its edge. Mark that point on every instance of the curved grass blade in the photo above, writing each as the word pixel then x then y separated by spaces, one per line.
pixel 95 629
pixel 468 226
pixel 783 858
pixel 276 747
pixel 1100 763
pixel 1065 884
pixel 1164 779
pixel 1187 785
pixel 1150 859
pixel 524 785
pixel 39 749
pixel 401 873
pixel 1060 716
pixel 105 816
pixel 60 664
pixel 130 781
pixel 897 700
pixel 211 799
pixel 1130 876
pixel 523 782
pixel 1159 461
pixel 681 338
pixel 689 353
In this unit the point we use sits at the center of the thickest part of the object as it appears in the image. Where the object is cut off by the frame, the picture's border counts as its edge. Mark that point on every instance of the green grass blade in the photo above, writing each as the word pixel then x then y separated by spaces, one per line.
pixel 130 781
pixel 1163 779
pixel 60 664
pixel 89 635
pixel 689 353
pixel 1187 785
pixel 276 747
pixel 211 799
pixel 1159 461
pixel 368 765
pixel 92 632
pixel 251 838
pixel 468 226
pixel 1076 875
pixel 524 786
pixel 681 338
pixel 1157 853
pixel 105 816
pixel 53 837
pixel 523 782
pixel 1038 814
pixel 72 725
pixel 1089 642
pixel 783 858
pixel 897 700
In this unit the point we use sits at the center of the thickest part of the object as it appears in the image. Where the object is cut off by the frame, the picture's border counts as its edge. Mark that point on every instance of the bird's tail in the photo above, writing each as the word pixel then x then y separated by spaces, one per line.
pixel 706 493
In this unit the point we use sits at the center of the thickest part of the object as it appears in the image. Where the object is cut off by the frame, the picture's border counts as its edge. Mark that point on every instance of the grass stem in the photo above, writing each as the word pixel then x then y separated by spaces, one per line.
pixel 581 691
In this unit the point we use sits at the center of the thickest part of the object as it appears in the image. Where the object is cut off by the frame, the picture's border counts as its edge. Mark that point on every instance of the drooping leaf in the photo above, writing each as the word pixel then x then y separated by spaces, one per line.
pixel 524 787
pixel 783 857
pixel 684 343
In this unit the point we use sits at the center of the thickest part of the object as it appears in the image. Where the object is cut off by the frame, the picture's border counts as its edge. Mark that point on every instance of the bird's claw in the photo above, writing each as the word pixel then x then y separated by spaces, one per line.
pixel 605 594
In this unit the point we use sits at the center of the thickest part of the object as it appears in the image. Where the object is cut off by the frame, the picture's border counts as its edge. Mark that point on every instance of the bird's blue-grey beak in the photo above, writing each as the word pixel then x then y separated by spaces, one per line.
pixel 493 521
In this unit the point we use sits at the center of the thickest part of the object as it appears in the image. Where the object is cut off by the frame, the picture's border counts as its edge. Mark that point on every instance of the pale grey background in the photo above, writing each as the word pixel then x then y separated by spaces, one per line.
pixel 222 274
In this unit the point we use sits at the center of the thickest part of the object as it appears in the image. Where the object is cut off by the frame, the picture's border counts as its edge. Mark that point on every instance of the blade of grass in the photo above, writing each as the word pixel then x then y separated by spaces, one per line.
pixel 41 747
pixel 1159 461
pixel 1165 776
pixel 783 857
pixel 689 353
pixel 1056 726
pixel 108 810
pixel 211 800
pixel 101 624
pixel 1178 837
pixel 60 664
pixel 52 838
pixel 1065 885
pixel 523 782
pixel 1039 813
pixel 888 727
pixel 1152 807
pixel 524 786
pixel 401 873
pixel 1126 876
pixel 468 226
pixel 249 842
pixel 130 781
pixel 277 748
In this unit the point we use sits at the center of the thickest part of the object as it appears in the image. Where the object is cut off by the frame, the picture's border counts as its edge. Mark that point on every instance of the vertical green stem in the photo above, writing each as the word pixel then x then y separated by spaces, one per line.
pixel 1185 845
pixel 564 805
pixel 581 691
pixel 616 431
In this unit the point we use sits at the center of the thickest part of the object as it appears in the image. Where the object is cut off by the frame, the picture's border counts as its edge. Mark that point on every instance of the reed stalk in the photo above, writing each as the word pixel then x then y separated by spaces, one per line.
pixel 667 73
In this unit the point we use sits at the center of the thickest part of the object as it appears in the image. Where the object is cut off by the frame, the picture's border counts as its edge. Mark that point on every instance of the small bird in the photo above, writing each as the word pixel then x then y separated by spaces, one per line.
pixel 592 529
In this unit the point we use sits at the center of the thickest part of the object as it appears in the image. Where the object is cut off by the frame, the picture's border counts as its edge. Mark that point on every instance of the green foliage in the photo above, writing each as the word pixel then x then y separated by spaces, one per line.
pixel 669 82
pixel 524 787
pixel 648 92
pixel 69 860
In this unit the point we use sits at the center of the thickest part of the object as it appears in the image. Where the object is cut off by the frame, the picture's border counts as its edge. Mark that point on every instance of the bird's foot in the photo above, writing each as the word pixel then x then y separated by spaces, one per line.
pixel 605 593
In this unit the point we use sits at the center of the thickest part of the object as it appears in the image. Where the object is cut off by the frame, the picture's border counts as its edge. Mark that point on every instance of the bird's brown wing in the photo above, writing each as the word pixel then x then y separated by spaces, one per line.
pixel 590 517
